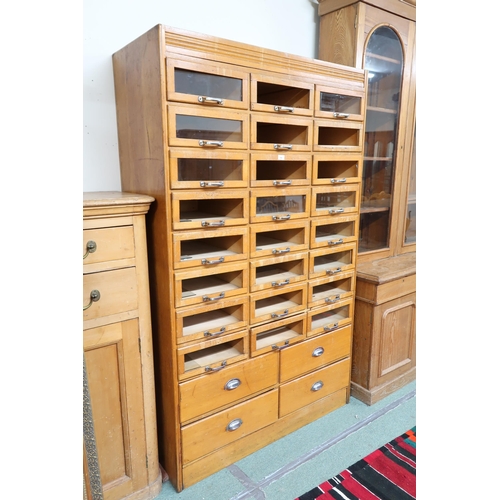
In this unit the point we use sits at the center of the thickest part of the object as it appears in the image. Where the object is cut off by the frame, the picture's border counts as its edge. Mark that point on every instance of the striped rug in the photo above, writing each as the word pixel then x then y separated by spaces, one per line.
pixel 388 473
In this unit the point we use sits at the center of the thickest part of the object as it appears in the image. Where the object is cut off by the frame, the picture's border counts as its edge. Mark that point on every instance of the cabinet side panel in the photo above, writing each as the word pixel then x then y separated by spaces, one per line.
pixel 362 340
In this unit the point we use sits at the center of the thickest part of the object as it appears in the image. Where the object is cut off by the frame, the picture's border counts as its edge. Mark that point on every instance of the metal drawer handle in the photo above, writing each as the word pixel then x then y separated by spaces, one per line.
pixel 213 334
pixel 234 424
pixel 206 298
pixel 95 295
pixel 275 347
pixel 282 146
pixel 218 144
pixel 334 271
pixel 281 217
pixel 340 115
pixel 328 300
pixel 330 328
pixel 289 109
pixel 232 384
pixel 282 183
pixel 318 352
pixel 91 248
pixel 275 315
pixel 336 242
pixel 334 181
pixel 210 100
pixel 317 386
pixel 281 250
pixel 208 262
pixel 204 223
pixel 336 211
pixel 218 369
pixel 280 283
pixel 204 184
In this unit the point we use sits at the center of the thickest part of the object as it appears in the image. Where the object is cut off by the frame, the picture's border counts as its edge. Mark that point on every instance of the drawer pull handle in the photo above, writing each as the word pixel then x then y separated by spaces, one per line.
pixel 289 109
pixel 206 298
pixel 218 369
pixel 91 248
pixel 328 328
pixel 280 283
pixel 95 295
pixel 204 223
pixel 232 384
pixel 340 115
pixel 334 181
pixel 318 352
pixel 334 271
pixel 282 146
pixel 217 144
pixel 275 347
pixel 282 183
pixel 328 300
pixel 281 217
pixel 207 262
pixel 275 315
pixel 210 100
pixel 317 386
pixel 205 184
pixel 213 334
pixel 281 250
pixel 336 211
pixel 336 242
pixel 234 424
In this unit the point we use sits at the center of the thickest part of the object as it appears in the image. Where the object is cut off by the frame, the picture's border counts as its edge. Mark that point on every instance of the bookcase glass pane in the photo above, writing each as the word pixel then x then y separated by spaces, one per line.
pixel 411 202
pixel 204 84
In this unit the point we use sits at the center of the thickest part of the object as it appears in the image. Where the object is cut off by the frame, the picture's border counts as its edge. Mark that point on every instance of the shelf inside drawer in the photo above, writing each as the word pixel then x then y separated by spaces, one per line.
pixel 280 272
pixel 334 170
pixel 330 291
pixel 272 305
pixel 278 170
pixel 268 240
pixel 329 318
pixel 277 336
pixel 330 232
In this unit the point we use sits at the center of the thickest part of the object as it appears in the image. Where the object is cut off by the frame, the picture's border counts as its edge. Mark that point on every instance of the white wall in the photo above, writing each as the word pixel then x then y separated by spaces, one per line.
pixel 285 25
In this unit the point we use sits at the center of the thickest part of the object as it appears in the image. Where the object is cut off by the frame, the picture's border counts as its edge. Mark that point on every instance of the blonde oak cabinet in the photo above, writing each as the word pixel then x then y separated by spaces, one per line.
pixel 253 157
pixel 379 36
pixel 117 345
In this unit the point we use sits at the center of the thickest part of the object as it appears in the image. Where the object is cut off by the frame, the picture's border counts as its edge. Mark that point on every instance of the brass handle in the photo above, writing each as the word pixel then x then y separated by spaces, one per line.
pixel 234 424
pixel 337 242
pixel 208 262
pixel 318 352
pixel 219 368
pixel 289 109
pixel 282 250
pixel 330 328
pixel 328 300
pixel 340 115
pixel 232 384
pixel 334 181
pixel 282 146
pixel 280 283
pixel 336 211
pixel 213 334
pixel 275 347
pixel 218 144
pixel 211 184
pixel 334 271
pixel 206 298
pixel 204 223
pixel 91 248
pixel 210 100
pixel 282 183
pixel 95 295
pixel 281 217
pixel 275 315
pixel 317 386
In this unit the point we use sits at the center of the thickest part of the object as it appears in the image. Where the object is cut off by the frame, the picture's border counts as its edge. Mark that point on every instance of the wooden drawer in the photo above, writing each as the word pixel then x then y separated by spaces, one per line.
pixel 197 127
pixel 212 355
pixel 211 433
pixel 277 335
pixel 206 286
pixel 328 291
pixel 315 353
pixel 213 320
pixel 117 292
pixel 328 232
pixel 336 169
pixel 280 133
pixel 335 200
pixel 195 209
pixel 271 239
pixel 277 205
pixel 276 94
pixel 214 390
pixel 206 85
pixel 209 248
pixel 108 248
pixel 271 305
pixel 326 319
pixel 208 170
pixel 280 170
pixel 339 104
pixel 278 272
pixel 330 135
pixel 332 261
pixel 312 387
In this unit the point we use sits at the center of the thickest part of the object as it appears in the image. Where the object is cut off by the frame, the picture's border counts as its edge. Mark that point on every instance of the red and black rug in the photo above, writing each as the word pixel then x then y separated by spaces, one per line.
pixel 388 473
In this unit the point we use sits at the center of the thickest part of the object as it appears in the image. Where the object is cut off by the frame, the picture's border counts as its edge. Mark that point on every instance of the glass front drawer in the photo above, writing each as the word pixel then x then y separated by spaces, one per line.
pixel 209 248
pixel 339 104
pixel 202 84
pixel 268 240
pixel 279 170
pixel 337 136
pixel 335 200
pixel 207 170
pixel 336 169
pixel 207 128
pixel 197 209
pixel 329 232
pixel 281 95
pixel 269 205
pixel 330 290
pixel 329 262
pixel 329 318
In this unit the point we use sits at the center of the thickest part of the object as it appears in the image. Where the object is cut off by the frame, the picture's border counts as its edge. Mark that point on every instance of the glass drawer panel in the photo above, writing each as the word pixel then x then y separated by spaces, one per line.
pixel 210 248
pixel 269 240
pixel 207 170
pixel 334 261
pixel 335 200
pixel 339 104
pixel 330 318
pixel 328 232
pixel 195 209
pixel 212 355
pixel 333 136
pixel 329 291
pixel 336 169
pixel 268 169
pixel 289 204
